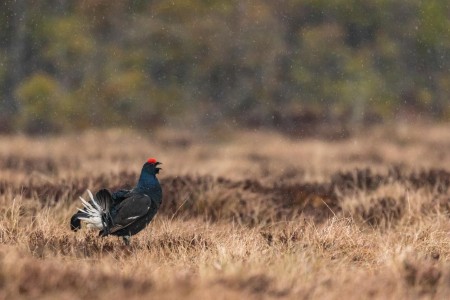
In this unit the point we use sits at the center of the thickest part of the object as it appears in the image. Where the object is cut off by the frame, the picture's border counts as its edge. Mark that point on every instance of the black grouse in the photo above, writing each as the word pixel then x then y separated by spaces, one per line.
pixel 124 212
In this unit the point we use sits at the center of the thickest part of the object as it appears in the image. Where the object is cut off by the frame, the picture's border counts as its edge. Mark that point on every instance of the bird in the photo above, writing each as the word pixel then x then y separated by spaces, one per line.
pixel 125 212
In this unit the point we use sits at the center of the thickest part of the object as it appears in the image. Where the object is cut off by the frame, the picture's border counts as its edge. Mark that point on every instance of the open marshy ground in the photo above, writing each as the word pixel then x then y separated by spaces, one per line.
pixel 245 214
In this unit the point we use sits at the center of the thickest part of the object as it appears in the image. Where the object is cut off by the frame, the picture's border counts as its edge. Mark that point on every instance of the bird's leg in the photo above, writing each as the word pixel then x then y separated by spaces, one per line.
pixel 126 240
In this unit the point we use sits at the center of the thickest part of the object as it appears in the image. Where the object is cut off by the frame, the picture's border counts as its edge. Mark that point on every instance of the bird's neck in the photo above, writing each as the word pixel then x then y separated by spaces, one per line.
pixel 147 181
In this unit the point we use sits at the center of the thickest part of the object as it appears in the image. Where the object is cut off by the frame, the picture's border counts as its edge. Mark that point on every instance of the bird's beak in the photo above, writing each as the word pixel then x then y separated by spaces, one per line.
pixel 158 163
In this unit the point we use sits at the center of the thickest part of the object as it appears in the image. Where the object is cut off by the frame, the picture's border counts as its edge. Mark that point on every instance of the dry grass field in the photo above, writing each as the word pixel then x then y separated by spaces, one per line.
pixel 252 215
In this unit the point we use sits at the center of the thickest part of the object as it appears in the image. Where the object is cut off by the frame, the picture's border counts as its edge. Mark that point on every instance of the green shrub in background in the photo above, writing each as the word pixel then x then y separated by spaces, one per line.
pixel 40 100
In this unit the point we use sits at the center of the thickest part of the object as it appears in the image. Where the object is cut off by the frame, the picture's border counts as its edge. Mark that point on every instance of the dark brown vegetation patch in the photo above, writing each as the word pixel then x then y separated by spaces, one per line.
pixel 381 210
pixel 422 275
pixel 246 201
pixel 249 201
pixel 49 193
pixel 367 180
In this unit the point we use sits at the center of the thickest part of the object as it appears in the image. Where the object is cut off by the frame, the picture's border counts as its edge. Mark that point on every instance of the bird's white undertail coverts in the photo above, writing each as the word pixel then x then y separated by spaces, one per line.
pixel 94 212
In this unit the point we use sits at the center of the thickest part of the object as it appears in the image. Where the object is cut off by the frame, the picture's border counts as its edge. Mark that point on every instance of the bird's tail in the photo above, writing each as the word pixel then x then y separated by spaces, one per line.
pixel 92 213
pixel 75 223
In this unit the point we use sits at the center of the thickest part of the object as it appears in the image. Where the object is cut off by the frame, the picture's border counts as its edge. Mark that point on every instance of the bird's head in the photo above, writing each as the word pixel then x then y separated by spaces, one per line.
pixel 151 165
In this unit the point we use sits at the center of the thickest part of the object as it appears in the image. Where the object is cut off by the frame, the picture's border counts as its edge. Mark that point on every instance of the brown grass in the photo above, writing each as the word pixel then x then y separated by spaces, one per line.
pixel 245 215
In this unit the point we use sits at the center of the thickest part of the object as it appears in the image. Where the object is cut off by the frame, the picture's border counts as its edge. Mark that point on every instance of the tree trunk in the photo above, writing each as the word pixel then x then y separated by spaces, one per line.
pixel 15 65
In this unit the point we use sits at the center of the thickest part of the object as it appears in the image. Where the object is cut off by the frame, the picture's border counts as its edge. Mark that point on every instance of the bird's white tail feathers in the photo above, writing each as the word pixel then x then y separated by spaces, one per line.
pixel 94 212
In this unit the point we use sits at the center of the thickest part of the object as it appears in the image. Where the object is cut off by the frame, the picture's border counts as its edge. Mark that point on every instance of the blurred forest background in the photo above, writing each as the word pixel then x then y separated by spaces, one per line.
pixel 69 65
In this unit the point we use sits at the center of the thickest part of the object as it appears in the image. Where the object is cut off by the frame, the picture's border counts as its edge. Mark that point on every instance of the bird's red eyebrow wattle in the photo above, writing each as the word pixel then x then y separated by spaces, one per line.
pixel 151 160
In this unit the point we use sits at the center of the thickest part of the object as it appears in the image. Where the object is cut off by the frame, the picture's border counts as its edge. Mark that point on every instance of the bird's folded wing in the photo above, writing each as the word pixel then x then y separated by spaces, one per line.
pixel 120 195
pixel 130 210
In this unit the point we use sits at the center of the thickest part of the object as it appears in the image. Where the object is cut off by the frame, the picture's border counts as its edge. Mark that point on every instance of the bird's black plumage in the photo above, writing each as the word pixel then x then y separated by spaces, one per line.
pixel 124 212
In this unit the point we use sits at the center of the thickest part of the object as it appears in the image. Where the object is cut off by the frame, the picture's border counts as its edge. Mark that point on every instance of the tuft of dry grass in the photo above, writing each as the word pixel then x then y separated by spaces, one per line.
pixel 245 215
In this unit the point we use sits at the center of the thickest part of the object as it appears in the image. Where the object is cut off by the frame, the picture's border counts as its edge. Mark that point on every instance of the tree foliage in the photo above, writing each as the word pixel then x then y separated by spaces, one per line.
pixel 73 64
